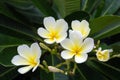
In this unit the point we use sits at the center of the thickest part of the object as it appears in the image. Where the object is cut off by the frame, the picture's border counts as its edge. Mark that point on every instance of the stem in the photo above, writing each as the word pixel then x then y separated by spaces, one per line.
pixel 68 64
pixel 75 67
pixel 59 65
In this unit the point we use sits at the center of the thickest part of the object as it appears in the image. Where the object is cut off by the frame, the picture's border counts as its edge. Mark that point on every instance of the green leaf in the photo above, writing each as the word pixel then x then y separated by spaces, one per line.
pixel 100 8
pixel 8 41
pixel 91 5
pixel 44 7
pixel 25 9
pixel 90 73
pixel 116 49
pixel 111 6
pixel 79 15
pixel 67 7
pixel 6 55
pixel 17 27
pixel 8 73
pixel 109 71
pixel 5 11
pixel 105 26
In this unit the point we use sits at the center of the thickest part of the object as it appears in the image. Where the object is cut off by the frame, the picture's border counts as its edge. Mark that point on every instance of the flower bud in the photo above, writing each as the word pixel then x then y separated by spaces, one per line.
pixel 54 69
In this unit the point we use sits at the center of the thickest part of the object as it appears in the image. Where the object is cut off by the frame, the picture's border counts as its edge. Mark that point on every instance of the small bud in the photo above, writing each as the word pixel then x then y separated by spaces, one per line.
pixel 54 69
pixel 44 46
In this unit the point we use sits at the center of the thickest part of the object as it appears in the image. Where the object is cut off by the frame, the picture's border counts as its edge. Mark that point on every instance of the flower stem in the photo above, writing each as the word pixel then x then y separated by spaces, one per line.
pixel 59 65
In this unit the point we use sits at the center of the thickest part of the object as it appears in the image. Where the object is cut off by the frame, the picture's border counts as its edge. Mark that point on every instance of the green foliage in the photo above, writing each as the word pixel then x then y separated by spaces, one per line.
pixel 20 19
pixel 67 7
pixel 108 26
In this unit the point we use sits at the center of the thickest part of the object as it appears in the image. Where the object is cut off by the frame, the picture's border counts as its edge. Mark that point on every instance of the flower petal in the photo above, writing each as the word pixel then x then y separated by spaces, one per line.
pixel 61 26
pixel 49 41
pixel 49 23
pixel 67 44
pixel 36 65
pixel 81 58
pixel 18 60
pixel 88 45
pixel 82 26
pixel 67 54
pixel 75 25
pixel 25 69
pixel 24 51
pixel 36 51
pixel 103 55
pixel 43 33
pixel 76 37
pixel 61 37
pixel 106 55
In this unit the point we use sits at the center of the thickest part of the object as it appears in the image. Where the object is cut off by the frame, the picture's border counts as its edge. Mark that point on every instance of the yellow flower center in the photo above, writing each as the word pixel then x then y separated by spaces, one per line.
pixel 77 50
pixel 32 61
pixel 53 35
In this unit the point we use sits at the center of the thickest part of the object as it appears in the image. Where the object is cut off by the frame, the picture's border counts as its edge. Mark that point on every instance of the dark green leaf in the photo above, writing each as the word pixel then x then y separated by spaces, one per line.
pixel 8 73
pixel 8 41
pixel 105 69
pixel 91 73
pixel 116 49
pixel 44 7
pixel 6 55
pixel 67 7
pixel 111 6
pixel 105 26
pixel 17 27
pixel 91 5
pixel 26 9
pixel 80 15
pixel 5 11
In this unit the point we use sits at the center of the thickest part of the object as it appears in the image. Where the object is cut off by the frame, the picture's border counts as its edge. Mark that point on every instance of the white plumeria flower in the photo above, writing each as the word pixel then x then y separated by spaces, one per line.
pixel 103 55
pixel 28 57
pixel 75 46
pixel 56 31
pixel 82 27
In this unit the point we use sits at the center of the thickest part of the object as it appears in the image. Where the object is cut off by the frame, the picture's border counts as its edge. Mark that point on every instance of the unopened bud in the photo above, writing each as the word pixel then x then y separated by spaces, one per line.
pixel 54 69
pixel 44 46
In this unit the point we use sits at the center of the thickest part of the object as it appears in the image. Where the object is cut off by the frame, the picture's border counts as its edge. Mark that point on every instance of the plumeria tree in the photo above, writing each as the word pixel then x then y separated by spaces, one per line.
pixel 59 40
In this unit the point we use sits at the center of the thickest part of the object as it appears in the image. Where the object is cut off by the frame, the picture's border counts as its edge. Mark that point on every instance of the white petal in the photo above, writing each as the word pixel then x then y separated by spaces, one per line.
pixel 106 55
pixel 82 26
pixel 36 65
pixel 66 54
pixel 49 41
pixel 75 24
pixel 61 37
pixel 81 58
pixel 25 69
pixel 18 60
pixel 24 51
pixel 67 44
pixel 36 51
pixel 43 33
pixel 61 26
pixel 49 23
pixel 88 45
pixel 76 37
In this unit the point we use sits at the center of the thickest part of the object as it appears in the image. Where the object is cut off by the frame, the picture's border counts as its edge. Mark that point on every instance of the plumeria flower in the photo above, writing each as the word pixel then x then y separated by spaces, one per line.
pixel 103 55
pixel 28 57
pixel 76 46
pixel 82 27
pixel 56 31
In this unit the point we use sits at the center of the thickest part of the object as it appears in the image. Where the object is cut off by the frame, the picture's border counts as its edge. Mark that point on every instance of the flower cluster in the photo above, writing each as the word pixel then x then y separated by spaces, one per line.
pixel 76 45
